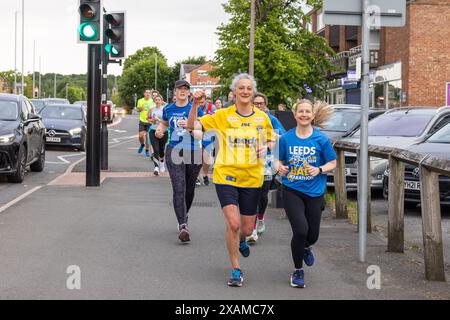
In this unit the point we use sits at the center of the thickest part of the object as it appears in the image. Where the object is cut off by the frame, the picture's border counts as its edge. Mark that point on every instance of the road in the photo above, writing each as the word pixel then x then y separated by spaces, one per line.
pixel 122 239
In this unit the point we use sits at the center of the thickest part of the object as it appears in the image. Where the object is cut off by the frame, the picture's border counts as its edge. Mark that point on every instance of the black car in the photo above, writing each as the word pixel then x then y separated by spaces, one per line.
pixel 66 125
pixel 22 138
pixel 437 145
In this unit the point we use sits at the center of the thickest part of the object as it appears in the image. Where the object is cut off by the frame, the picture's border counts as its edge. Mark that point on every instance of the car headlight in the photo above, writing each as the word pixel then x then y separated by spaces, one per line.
pixel 75 132
pixel 7 138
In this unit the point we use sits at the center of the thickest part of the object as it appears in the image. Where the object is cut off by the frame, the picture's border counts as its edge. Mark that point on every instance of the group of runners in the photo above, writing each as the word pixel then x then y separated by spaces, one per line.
pixel 249 148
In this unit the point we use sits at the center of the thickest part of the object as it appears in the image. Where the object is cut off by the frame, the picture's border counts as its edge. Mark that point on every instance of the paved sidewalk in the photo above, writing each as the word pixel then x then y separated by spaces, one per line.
pixel 123 237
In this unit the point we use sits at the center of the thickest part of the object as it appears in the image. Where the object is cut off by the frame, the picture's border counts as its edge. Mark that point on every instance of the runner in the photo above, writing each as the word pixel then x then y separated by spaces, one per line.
pixel 183 156
pixel 218 103
pixel 154 116
pixel 261 101
pixel 306 156
pixel 207 141
pixel 243 133
pixel 143 106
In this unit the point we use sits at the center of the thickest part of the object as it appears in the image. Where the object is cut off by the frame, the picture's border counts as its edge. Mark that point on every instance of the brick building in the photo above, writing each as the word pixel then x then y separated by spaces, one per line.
pixel 409 67
pixel 199 77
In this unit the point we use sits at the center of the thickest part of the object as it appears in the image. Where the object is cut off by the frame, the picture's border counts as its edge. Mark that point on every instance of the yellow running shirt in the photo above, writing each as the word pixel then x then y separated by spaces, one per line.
pixel 147 105
pixel 239 138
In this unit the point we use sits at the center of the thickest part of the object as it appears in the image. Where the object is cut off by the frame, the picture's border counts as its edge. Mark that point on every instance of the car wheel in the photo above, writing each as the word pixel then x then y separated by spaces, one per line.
pixel 19 175
pixel 83 145
pixel 39 165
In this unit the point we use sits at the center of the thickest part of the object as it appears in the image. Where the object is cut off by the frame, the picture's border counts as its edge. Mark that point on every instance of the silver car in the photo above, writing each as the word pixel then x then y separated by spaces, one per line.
pixel 399 128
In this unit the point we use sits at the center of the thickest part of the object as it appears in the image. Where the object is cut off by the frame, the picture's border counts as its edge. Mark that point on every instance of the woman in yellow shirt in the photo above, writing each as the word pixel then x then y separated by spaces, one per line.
pixel 243 133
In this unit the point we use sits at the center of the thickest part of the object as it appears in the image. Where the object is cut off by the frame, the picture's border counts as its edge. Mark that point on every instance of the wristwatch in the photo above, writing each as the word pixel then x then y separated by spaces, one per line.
pixel 321 170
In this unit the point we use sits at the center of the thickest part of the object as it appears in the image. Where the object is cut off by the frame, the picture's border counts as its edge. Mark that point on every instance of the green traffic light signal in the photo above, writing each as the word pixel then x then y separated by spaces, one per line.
pixel 112 50
pixel 114 34
pixel 90 23
pixel 88 31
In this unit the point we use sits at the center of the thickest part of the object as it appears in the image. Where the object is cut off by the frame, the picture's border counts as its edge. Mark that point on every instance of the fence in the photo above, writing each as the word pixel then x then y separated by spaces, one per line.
pixel 430 169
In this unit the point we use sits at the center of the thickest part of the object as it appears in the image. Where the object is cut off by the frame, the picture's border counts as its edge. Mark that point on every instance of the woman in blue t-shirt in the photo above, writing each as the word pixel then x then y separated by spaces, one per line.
pixel 305 156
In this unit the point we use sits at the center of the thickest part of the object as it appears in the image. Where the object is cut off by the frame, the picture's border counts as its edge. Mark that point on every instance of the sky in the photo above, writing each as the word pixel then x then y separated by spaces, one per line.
pixel 171 25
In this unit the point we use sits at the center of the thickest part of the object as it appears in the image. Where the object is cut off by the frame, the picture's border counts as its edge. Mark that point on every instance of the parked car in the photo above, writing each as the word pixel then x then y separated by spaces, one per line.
pixel 346 119
pixel 38 104
pixel 66 125
pixel 437 145
pixel 53 101
pixel 400 128
pixel 22 138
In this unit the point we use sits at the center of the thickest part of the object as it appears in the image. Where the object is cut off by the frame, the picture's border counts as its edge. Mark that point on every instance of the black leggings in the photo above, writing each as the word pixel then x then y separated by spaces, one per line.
pixel 183 176
pixel 158 145
pixel 264 198
pixel 304 214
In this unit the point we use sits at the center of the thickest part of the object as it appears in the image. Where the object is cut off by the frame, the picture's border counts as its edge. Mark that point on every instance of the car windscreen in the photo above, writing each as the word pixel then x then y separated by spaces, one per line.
pixel 63 113
pixel 58 101
pixel 399 124
pixel 342 121
pixel 8 110
pixel 39 105
pixel 442 136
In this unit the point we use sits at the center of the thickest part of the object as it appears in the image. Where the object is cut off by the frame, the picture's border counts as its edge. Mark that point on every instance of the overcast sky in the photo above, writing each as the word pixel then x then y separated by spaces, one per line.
pixel 171 25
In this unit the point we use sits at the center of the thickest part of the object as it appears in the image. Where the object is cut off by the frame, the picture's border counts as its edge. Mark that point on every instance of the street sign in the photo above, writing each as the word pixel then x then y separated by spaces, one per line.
pixel 384 13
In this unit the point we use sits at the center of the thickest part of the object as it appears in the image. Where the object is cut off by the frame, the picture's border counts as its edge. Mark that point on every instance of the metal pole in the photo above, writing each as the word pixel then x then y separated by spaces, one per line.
pixel 15 52
pixel 363 155
pixel 104 129
pixel 94 116
pixel 252 39
pixel 156 71
pixel 23 46
pixel 34 67
pixel 67 91
pixel 54 87
pixel 40 78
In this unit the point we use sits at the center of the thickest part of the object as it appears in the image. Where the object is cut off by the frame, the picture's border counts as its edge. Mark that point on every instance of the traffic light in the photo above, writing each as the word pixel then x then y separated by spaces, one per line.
pixel 106 113
pixel 115 35
pixel 89 30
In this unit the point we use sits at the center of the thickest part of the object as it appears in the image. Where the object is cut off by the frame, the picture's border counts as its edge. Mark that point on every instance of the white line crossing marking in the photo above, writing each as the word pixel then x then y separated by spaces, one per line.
pixel 19 198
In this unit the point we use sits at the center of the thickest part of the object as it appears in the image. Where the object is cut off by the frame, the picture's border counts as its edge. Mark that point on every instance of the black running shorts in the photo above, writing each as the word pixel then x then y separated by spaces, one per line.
pixel 144 126
pixel 246 199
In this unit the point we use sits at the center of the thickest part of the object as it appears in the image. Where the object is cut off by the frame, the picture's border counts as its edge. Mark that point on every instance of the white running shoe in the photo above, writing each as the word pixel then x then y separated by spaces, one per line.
pixel 260 227
pixel 156 171
pixel 253 238
pixel 162 167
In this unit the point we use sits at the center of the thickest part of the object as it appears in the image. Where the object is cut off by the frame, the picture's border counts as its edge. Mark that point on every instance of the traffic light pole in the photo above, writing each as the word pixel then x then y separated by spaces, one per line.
pixel 104 131
pixel 94 116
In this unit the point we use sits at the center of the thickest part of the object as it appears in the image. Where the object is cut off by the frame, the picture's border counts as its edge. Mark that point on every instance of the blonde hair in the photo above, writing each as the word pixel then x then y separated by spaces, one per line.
pixel 322 111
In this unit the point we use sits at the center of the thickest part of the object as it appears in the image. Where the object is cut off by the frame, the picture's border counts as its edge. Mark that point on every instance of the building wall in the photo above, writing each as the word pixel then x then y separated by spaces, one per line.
pixel 195 79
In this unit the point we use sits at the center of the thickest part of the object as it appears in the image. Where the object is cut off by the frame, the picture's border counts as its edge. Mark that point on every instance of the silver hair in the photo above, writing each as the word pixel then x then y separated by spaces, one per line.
pixel 240 77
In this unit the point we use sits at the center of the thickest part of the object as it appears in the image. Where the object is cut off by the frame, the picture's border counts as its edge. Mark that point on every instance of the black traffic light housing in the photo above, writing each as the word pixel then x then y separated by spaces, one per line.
pixel 106 113
pixel 90 26
pixel 114 40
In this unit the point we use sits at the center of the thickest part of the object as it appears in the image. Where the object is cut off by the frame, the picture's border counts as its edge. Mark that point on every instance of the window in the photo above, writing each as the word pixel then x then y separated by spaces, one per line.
pixel 399 124
pixel 320 23
pixel 309 27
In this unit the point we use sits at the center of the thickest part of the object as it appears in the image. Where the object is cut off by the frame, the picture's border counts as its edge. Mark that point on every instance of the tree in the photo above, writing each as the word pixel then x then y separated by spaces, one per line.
pixel 287 55
pixel 138 75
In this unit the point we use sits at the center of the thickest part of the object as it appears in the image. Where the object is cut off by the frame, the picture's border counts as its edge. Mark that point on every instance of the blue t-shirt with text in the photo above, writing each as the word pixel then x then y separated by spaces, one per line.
pixel 295 152
pixel 180 138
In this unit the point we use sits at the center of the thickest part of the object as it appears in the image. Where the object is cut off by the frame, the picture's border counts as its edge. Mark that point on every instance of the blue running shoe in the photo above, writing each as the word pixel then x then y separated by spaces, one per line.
pixel 147 153
pixel 244 249
pixel 298 279
pixel 309 257
pixel 141 149
pixel 236 279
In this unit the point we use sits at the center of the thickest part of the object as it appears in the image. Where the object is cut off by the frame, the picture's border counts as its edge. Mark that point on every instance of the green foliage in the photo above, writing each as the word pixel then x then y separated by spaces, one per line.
pixel 287 56
pixel 73 93
pixel 138 75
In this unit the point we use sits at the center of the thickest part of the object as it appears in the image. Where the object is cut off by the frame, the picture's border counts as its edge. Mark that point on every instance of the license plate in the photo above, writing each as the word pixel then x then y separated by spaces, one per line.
pixel 348 172
pixel 51 139
pixel 412 185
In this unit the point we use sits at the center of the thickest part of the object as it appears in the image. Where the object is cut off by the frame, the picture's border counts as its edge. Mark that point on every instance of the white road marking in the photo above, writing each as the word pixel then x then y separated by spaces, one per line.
pixel 19 198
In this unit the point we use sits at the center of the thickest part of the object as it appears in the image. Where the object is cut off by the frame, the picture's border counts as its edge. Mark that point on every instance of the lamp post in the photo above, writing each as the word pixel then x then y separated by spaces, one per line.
pixel 15 52
pixel 23 46
pixel 252 38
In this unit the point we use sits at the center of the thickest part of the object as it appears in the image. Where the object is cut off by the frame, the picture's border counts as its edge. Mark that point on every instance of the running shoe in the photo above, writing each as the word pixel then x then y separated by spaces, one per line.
pixel 198 183
pixel 162 167
pixel 147 154
pixel 298 279
pixel 156 171
pixel 184 235
pixel 141 149
pixel 253 238
pixel 244 249
pixel 260 227
pixel 309 257
pixel 206 180
pixel 236 279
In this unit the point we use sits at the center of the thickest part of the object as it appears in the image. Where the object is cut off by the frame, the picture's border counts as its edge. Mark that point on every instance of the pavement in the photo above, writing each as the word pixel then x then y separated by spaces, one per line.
pixel 123 238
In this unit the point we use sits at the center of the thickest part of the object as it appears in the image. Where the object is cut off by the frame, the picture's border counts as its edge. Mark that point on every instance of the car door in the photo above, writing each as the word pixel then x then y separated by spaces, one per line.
pixel 36 142
pixel 27 129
